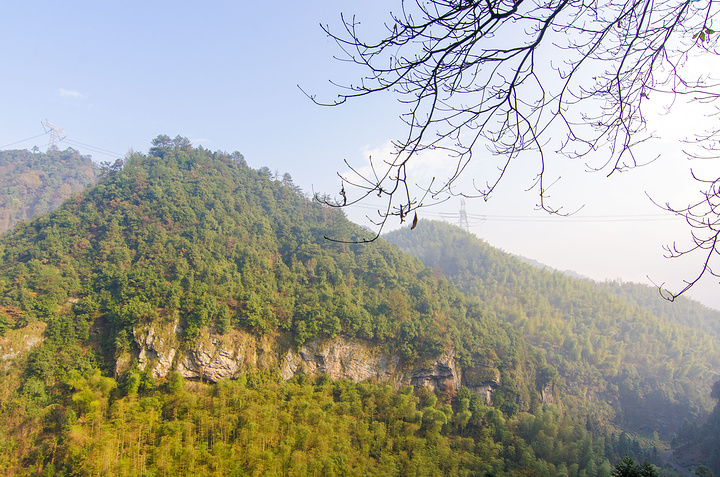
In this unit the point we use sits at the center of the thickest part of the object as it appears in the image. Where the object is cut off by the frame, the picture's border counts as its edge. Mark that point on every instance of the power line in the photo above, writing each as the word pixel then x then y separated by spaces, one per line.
pixel 23 140
pixel 55 132
pixel 454 217
pixel 93 148
pixel 577 219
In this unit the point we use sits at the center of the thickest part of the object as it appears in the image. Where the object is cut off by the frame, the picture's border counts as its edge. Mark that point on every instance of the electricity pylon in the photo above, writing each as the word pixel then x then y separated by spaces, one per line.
pixel 56 134
pixel 463 216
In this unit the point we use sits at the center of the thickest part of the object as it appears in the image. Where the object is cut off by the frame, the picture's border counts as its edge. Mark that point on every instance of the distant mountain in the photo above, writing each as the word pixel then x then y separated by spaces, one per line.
pixel 682 310
pixel 33 183
pixel 619 350
pixel 542 266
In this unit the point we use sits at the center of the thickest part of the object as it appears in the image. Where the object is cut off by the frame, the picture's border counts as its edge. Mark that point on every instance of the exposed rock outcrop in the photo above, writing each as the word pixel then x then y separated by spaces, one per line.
pixel 441 375
pixel 15 343
pixel 341 358
pixel 482 379
pixel 214 357
pixel 157 347
pixel 227 356
pixel 547 393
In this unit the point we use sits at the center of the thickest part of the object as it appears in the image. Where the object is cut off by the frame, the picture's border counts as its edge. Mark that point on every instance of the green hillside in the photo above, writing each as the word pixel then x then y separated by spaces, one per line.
pixel 697 443
pixel 682 310
pixel 643 367
pixel 199 235
pixel 32 183
pixel 198 243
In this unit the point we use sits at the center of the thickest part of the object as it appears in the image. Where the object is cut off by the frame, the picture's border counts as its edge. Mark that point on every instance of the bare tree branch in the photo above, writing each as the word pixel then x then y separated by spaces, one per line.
pixel 550 78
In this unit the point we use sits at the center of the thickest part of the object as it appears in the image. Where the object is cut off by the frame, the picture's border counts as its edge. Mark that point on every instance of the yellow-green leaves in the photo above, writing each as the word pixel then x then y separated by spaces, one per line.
pixel 703 34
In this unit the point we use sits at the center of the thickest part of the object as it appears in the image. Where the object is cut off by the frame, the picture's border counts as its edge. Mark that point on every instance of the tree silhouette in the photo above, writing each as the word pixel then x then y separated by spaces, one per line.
pixel 549 78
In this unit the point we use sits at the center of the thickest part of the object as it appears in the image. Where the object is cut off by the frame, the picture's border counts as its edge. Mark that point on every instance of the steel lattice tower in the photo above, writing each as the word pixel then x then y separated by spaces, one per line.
pixel 463 216
pixel 56 134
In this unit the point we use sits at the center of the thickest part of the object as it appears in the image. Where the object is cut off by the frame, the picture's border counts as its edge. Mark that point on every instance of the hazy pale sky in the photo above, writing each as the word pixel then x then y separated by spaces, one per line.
pixel 225 75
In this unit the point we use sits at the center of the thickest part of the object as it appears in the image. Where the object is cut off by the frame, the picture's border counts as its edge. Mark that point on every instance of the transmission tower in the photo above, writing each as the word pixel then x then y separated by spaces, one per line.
pixel 56 134
pixel 463 216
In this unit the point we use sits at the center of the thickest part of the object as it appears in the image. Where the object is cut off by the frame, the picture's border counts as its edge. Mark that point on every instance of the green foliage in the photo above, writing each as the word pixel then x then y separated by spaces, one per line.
pixel 683 310
pixel 197 238
pixel 32 184
pixel 703 471
pixel 189 234
pixel 258 425
pixel 628 468
pixel 699 443
pixel 600 347
pixel 4 323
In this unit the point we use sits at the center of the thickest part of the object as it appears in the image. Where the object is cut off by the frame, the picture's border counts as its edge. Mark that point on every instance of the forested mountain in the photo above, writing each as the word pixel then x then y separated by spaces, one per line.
pixel 33 183
pixel 642 367
pixel 196 242
pixel 682 310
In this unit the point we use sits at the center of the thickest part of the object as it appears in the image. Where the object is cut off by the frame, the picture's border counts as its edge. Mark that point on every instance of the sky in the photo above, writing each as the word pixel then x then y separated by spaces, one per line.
pixel 114 75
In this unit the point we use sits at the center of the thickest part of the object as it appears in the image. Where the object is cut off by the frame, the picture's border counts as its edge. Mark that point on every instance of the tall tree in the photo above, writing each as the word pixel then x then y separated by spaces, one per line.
pixel 628 468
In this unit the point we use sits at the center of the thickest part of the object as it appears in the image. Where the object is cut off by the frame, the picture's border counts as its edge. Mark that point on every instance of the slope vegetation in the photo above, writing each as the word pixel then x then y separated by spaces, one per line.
pixel 32 184
pixel 641 366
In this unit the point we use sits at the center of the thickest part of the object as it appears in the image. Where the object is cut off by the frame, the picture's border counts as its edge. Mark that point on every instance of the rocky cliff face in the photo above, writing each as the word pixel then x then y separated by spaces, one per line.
pixel 483 379
pixel 214 357
pixel 16 343
pixel 547 393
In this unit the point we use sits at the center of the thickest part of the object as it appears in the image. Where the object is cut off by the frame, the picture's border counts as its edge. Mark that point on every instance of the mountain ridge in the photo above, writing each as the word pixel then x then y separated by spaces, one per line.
pixel 190 250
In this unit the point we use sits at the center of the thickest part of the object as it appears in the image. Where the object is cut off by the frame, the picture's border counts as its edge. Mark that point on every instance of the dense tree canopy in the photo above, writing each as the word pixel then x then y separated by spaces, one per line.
pixel 201 235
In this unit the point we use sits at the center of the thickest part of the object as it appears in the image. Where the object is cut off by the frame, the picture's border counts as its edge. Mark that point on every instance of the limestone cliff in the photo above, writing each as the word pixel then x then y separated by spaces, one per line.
pixel 214 357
